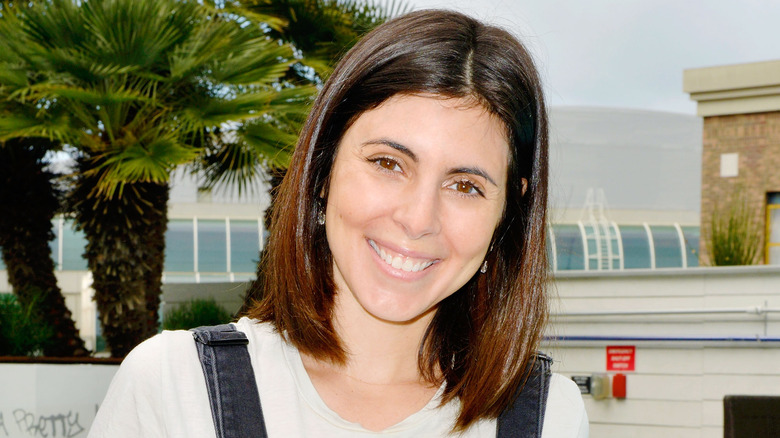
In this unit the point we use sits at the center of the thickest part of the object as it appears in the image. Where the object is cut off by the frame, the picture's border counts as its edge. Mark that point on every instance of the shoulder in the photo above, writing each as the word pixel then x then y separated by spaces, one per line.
pixel 565 415
pixel 134 404
pixel 256 330
pixel 160 390
pixel 166 345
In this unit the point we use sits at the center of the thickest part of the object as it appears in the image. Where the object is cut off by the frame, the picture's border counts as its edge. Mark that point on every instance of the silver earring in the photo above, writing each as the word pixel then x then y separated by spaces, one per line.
pixel 321 217
pixel 483 269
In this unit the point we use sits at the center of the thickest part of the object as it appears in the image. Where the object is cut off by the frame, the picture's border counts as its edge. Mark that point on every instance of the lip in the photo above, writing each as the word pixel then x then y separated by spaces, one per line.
pixel 432 261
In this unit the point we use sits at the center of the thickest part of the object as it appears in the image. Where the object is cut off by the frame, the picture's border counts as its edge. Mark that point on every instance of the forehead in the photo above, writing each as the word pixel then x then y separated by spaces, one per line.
pixel 432 121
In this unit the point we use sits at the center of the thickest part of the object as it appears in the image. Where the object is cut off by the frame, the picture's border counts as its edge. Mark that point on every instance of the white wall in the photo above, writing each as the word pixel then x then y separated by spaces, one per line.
pixel 47 400
pixel 699 334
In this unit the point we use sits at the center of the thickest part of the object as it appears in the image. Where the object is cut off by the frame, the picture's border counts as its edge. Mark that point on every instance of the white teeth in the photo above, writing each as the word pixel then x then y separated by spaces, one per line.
pixel 398 262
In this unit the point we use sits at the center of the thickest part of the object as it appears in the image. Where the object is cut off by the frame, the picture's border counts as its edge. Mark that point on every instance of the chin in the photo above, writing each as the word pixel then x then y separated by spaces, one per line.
pixel 396 312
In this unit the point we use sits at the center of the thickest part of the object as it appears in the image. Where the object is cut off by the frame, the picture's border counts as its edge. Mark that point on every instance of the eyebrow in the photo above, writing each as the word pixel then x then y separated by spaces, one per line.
pixel 397 146
pixel 408 152
pixel 473 171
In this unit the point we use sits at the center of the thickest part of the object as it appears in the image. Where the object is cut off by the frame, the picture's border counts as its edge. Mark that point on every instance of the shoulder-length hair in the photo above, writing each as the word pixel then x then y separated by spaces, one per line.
pixel 483 337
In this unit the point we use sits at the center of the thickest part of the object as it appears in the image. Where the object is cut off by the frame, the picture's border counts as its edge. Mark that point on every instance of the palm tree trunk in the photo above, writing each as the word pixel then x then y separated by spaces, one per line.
pixel 125 252
pixel 30 201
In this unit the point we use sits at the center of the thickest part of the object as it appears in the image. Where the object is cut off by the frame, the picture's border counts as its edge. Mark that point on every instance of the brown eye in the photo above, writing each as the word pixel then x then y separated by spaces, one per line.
pixel 464 187
pixel 387 163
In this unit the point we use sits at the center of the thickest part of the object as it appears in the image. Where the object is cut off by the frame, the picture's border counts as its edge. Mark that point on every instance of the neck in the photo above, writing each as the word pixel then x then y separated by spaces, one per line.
pixel 378 351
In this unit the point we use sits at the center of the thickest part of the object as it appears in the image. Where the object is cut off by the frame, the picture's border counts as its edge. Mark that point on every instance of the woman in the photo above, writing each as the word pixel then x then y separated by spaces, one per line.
pixel 405 279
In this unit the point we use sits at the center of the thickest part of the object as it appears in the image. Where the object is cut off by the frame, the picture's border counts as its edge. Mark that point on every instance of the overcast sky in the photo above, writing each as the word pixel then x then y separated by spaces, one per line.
pixel 630 53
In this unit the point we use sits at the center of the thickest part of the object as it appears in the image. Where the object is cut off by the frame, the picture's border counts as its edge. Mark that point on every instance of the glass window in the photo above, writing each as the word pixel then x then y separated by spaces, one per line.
pixel 636 247
pixel 179 246
pixel 568 243
pixel 590 232
pixel 74 244
pixel 773 239
pixel 613 233
pixel 668 253
pixel 244 246
pixel 774 224
pixel 549 241
pixel 773 228
pixel 212 246
pixel 691 236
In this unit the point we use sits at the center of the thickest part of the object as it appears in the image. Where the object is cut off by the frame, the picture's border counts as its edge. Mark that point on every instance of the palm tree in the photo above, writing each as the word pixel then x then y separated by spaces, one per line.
pixel 322 30
pixel 30 200
pixel 140 87
pixel 30 197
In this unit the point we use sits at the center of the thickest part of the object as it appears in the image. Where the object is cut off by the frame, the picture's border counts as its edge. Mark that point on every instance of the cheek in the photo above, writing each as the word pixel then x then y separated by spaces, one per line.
pixel 471 230
pixel 351 195
pixel 353 202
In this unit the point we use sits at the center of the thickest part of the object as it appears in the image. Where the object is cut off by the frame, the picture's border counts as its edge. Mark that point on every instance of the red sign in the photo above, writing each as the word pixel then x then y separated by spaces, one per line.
pixel 620 357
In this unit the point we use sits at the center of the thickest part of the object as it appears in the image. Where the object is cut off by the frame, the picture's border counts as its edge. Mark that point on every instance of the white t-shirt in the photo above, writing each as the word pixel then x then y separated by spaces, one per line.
pixel 160 391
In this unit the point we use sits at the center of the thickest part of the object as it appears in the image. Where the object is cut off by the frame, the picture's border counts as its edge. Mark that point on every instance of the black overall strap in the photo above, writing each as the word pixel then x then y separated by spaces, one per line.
pixel 235 401
pixel 525 417
pixel 230 381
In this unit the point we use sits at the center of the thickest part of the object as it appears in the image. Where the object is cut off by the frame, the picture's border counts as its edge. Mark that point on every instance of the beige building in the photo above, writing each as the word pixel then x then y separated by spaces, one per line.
pixel 740 105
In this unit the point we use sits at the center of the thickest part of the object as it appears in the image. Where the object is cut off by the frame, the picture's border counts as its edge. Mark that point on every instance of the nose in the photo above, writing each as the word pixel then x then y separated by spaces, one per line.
pixel 418 211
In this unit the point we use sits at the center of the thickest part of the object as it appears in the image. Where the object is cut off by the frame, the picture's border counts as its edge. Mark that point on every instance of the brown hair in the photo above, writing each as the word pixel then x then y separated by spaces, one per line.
pixel 483 336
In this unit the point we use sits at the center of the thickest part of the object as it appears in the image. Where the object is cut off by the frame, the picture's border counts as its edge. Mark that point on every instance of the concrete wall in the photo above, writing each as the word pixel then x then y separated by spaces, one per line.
pixel 699 334
pixel 51 400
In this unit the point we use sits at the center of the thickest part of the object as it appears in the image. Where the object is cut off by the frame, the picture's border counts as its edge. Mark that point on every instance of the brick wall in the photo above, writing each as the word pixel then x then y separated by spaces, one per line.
pixel 756 138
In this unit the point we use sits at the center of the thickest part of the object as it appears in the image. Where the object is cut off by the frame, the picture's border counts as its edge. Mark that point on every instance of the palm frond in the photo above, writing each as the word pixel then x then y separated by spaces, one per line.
pixel 255 62
pixel 215 112
pixel 240 163
pixel 152 162
pixel 22 123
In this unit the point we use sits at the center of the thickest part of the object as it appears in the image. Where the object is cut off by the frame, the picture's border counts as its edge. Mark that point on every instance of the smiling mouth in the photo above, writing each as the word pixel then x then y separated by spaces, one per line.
pixel 406 264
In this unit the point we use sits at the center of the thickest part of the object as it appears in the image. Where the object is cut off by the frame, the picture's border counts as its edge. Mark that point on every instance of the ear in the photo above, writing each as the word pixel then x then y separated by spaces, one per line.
pixel 524 182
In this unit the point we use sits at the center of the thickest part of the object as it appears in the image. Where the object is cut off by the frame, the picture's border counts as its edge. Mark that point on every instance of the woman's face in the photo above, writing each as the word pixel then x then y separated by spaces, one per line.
pixel 417 188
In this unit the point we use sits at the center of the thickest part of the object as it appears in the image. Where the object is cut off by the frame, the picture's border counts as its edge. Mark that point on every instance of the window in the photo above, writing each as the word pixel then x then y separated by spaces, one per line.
pixel 636 247
pixel 212 246
pixel 772 251
pixel 74 245
pixel 179 246
pixel 568 244
pixel 244 246
pixel 666 241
